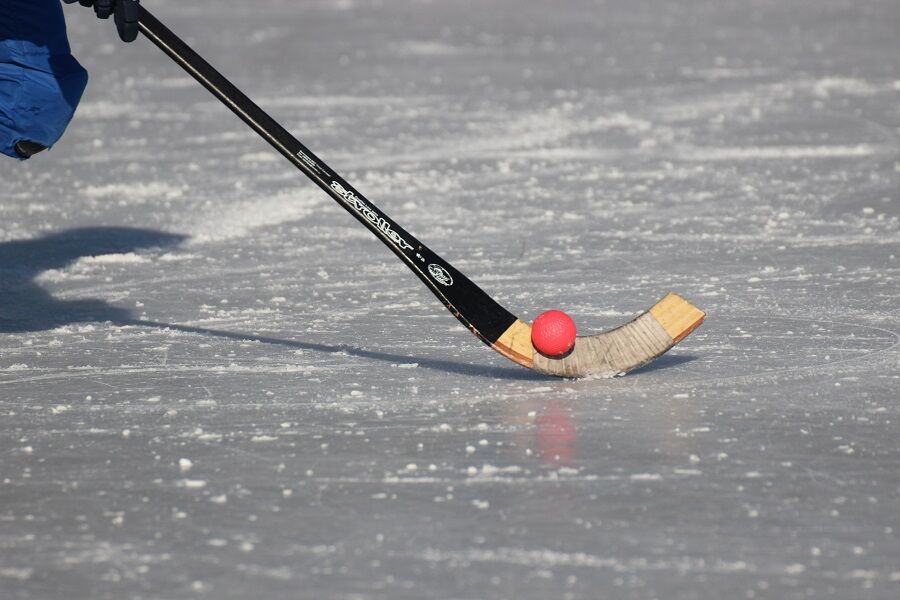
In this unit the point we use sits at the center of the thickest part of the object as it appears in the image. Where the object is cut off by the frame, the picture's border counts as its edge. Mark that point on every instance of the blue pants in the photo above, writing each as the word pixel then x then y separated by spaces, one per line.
pixel 40 81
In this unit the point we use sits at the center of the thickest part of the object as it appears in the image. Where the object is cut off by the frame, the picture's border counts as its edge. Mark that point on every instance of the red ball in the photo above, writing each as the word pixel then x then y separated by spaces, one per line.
pixel 553 333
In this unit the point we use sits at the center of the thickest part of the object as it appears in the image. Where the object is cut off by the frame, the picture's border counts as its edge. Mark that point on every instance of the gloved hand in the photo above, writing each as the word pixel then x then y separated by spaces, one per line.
pixel 125 12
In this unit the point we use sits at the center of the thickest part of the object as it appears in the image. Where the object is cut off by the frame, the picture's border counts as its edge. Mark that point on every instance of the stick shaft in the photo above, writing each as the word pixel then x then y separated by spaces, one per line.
pixel 471 305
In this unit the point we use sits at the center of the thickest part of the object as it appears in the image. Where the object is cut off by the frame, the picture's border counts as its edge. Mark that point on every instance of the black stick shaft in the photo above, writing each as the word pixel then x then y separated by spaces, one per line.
pixel 471 305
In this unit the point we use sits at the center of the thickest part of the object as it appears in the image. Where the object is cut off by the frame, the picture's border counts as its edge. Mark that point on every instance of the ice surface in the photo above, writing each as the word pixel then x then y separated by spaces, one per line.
pixel 215 384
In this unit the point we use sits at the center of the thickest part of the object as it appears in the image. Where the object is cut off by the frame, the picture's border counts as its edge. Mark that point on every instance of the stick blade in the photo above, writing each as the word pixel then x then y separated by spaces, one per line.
pixel 614 352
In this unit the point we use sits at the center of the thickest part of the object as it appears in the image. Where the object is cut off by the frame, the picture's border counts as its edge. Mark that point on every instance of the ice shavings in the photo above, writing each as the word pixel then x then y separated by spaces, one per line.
pixel 192 484
pixel 549 558
pixel 135 192
pixel 127 258
pixel 240 217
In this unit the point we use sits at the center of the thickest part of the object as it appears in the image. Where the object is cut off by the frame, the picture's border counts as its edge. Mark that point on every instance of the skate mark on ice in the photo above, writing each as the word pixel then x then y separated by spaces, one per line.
pixel 723 347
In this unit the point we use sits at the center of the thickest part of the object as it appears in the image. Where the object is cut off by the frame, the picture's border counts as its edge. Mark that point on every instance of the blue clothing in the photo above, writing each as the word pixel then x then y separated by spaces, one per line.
pixel 40 81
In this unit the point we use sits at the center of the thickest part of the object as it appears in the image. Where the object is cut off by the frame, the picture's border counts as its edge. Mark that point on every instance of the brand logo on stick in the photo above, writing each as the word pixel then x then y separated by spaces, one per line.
pixel 440 274
pixel 309 162
pixel 357 204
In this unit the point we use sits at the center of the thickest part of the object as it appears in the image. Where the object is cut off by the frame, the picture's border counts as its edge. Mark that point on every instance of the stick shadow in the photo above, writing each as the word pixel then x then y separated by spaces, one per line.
pixel 666 361
pixel 25 306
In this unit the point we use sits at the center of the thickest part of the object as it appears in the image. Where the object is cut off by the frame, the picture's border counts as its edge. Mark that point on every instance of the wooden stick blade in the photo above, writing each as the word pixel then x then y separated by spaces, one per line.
pixel 611 353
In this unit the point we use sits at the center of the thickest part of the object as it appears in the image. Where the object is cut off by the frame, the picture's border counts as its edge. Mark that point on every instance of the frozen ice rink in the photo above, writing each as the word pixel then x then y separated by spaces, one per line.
pixel 215 384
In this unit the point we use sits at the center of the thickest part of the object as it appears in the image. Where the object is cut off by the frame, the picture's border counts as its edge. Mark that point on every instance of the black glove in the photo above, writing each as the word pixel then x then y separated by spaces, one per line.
pixel 125 12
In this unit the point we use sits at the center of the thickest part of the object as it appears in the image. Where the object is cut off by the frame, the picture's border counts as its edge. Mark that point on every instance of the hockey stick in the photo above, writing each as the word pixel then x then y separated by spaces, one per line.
pixel 612 353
